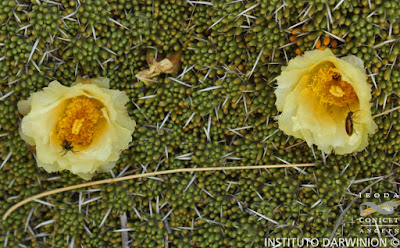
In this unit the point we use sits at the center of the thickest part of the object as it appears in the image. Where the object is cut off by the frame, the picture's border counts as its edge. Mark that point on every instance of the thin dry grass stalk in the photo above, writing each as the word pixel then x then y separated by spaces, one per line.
pixel 150 174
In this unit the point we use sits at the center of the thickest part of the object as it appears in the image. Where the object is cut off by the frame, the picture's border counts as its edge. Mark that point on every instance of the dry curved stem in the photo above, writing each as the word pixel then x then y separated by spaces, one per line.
pixel 297 144
pixel 386 112
pixel 393 181
pixel 105 181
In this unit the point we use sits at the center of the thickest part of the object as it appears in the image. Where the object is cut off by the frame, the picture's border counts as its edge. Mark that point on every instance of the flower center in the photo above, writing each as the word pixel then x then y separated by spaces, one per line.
pixel 328 85
pixel 78 123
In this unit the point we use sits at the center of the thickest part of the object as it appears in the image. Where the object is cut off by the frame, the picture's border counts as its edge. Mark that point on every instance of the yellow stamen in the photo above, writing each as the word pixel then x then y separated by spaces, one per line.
pixel 76 127
pixel 328 85
pixel 79 122
pixel 336 91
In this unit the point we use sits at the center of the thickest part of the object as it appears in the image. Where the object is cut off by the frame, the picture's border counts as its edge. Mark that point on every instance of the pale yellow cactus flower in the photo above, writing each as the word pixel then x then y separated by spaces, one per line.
pixel 325 101
pixel 82 128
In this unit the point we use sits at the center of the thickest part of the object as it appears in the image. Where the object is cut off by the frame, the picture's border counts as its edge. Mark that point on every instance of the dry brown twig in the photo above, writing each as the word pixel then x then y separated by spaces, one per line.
pixel 150 174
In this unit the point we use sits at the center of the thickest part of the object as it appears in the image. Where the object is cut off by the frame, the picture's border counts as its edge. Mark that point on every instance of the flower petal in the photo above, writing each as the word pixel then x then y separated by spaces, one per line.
pixel 24 106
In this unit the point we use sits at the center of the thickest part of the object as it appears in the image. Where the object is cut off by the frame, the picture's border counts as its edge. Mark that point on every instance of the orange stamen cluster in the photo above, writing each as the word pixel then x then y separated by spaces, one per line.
pixel 79 122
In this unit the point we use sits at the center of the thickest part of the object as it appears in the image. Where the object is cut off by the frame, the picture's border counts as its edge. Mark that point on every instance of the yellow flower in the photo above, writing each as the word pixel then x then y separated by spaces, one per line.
pixel 82 128
pixel 316 92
